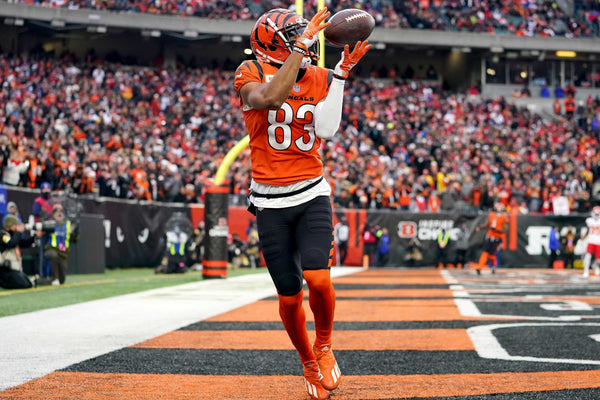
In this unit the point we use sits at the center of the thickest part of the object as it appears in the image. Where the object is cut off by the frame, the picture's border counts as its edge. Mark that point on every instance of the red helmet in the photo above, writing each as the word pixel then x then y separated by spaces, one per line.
pixel 273 36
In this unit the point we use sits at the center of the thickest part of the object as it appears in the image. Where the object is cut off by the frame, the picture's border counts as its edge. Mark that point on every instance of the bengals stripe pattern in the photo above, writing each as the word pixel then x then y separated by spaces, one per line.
pixel 398 334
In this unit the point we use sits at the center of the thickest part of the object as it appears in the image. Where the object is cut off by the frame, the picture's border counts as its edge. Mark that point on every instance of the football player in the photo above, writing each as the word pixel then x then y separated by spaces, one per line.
pixel 593 247
pixel 289 106
pixel 496 226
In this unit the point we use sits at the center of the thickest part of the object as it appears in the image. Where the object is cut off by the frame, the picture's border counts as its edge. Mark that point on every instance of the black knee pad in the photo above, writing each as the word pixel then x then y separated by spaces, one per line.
pixel 288 284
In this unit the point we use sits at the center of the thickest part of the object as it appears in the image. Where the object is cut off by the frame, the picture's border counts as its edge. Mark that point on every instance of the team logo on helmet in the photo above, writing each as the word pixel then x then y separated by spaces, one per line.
pixel 274 33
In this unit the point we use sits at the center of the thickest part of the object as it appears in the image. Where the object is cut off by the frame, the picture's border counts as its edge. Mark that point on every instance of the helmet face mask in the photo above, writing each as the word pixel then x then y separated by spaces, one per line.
pixel 275 33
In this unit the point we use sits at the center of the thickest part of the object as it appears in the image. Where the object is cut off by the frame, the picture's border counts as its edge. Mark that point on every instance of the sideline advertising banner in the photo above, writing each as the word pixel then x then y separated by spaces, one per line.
pixel 134 231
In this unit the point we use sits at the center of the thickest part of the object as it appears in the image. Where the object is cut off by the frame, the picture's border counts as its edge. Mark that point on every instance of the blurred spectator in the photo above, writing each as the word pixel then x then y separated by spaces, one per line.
pixel 568 242
pixel 397 148
pixel 461 248
pixel 12 239
pixel 15 166
pixel 11 209
pixel 176 251
pixel 59 238
pixel 369 243
pixel 443 240
pixel 532 18
pixel 42 207
pixel 413 252
pixel 341 234
pixel 236 252
pixel 196 250
pixel 383 248
pixel 554 246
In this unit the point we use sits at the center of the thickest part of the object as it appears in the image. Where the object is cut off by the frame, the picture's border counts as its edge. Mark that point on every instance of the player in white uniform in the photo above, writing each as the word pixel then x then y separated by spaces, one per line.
pixel 593 247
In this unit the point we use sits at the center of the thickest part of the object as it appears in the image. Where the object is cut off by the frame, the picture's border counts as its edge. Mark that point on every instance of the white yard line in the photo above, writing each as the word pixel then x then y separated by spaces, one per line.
pixel 37 343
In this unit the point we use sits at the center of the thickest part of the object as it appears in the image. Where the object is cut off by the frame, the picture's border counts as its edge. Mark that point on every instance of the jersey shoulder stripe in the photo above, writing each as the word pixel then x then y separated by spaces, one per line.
pixel 248 71
pixel 329 78
pixel 251 66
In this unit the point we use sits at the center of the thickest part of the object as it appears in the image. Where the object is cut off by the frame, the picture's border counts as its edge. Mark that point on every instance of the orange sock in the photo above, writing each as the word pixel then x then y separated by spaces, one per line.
pixel 321 298
pixel 482 260
pixel 294 321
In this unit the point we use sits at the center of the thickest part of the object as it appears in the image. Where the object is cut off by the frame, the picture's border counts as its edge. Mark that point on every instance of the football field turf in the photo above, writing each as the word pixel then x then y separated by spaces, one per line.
pixel 398 333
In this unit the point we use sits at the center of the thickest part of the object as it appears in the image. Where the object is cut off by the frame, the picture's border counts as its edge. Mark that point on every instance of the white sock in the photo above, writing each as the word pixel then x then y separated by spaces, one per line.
pixel 587 260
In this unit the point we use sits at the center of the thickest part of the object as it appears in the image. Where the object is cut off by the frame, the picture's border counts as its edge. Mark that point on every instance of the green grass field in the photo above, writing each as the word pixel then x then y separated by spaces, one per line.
pixel 80 288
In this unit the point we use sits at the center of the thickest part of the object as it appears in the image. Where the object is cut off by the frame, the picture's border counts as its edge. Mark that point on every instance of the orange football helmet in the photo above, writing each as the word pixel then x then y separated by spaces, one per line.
pixel 273 36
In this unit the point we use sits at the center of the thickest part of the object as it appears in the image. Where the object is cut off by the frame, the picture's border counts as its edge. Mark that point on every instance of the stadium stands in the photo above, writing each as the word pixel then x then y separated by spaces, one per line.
pixel 533 18
pixel 157 134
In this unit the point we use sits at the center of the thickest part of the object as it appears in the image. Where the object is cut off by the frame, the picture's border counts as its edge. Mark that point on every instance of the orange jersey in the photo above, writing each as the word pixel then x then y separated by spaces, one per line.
pixel 496 221
pixel 283 146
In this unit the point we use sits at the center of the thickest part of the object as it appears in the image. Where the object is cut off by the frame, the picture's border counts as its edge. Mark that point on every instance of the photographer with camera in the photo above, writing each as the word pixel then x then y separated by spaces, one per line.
pixel 12 238
pixel 176 252
pixel 59 233
pixel 178 241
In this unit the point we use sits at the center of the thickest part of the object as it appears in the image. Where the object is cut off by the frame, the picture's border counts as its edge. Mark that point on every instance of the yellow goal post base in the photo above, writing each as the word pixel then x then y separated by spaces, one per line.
pixel 229 158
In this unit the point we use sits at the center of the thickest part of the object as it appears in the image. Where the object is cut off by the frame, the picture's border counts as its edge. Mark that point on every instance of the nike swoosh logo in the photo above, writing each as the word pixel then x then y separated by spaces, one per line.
pixel 239 75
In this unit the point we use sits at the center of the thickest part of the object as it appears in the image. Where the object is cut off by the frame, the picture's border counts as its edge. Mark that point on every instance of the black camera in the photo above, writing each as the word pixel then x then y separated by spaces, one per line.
pixel 46 226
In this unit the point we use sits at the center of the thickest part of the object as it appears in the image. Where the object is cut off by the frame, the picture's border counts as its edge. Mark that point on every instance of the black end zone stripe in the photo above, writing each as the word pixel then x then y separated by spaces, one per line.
pixel 286 362
pixel 568 394
pixel 337 326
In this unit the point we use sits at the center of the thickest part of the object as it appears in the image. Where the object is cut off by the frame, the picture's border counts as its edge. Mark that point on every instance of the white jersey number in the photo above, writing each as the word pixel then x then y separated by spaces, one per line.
pixel 285 131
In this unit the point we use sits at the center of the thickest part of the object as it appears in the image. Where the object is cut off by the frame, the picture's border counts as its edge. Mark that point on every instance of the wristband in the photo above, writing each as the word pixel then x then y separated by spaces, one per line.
pixel 299 50
pixel 300 44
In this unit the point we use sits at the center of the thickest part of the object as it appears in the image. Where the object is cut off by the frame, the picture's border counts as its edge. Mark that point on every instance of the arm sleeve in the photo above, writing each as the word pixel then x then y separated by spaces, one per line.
pixel 328 113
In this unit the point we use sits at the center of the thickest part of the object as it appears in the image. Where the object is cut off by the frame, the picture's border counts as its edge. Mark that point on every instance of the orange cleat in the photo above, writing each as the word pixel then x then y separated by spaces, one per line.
pixel 312 381
pixel 328 366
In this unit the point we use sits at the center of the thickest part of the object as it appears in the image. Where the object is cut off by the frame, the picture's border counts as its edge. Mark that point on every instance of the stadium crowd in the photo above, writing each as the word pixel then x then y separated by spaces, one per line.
pixel 158 134
pixel 525 18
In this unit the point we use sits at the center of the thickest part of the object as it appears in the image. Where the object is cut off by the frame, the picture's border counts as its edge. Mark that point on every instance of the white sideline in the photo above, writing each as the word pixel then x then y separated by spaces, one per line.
pixel 38 343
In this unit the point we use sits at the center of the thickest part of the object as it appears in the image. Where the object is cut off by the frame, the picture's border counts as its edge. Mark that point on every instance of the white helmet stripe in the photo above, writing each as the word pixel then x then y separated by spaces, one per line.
pixel 278 32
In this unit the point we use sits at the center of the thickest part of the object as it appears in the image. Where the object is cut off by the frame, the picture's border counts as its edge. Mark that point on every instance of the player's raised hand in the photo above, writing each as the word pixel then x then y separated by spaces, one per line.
pixel 311 33
pixel 349 60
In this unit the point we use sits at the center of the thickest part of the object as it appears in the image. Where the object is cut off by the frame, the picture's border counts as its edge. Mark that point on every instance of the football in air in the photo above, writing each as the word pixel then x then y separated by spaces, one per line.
pixel 348 27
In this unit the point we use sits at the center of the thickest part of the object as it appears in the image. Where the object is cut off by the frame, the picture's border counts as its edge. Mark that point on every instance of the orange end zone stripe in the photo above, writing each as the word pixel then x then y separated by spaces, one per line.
pixel 345 310
pixel 393 277
pixel 93 386
pixel 372 340
pixel 368 280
